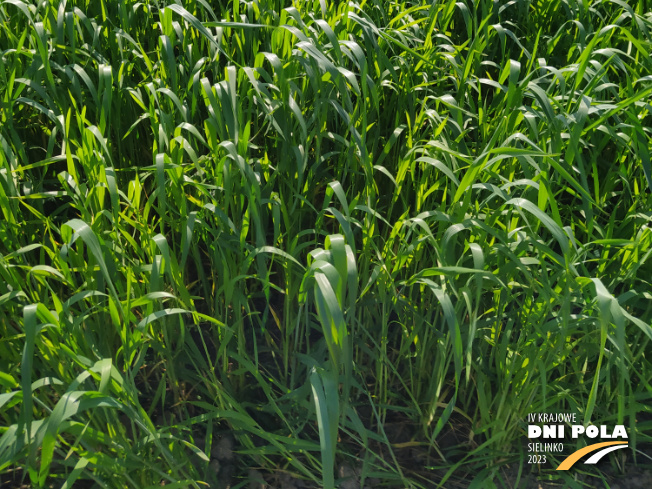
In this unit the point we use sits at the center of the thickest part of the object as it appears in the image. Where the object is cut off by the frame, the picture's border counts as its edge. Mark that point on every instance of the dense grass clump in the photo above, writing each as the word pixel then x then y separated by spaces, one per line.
pixel 322 241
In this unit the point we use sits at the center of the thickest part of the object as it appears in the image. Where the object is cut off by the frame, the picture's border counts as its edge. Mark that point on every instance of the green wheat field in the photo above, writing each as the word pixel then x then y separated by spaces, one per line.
pixel 316 244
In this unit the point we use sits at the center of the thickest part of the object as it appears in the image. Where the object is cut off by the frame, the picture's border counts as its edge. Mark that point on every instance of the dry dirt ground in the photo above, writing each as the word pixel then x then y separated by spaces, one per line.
pixel 226 472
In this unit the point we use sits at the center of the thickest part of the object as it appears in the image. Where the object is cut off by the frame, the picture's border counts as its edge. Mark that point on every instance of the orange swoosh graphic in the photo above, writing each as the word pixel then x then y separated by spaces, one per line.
pixel 574 457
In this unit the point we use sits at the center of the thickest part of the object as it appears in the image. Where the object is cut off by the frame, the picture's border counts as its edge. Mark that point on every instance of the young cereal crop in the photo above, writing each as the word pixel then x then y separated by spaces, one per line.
pixel 327 244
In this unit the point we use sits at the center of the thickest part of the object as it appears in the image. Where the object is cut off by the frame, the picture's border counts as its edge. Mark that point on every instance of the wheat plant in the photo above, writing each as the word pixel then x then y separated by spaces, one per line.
pixel 353 241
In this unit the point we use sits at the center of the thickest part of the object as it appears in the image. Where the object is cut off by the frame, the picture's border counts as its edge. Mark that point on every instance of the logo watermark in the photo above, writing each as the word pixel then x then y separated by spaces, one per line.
pixel 548 433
